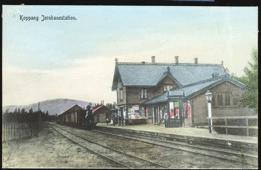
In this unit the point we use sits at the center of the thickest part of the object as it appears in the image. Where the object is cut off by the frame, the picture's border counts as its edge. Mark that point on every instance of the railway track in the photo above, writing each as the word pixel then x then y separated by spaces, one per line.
pixel 223 154
pixel 116 157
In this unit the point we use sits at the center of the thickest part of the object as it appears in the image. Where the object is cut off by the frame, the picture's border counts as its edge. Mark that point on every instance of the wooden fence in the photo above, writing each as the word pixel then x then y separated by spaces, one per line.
pixel 236 125
pixel 20 125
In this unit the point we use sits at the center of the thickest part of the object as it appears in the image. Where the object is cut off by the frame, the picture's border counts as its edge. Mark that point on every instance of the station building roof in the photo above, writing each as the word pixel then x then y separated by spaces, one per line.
pixel 194 89
pixel 150 74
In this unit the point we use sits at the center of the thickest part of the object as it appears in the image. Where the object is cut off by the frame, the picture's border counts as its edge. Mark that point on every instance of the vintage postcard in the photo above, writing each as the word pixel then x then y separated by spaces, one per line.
pixel 172 87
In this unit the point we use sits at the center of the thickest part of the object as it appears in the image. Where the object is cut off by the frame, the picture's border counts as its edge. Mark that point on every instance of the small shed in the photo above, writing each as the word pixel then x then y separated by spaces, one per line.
pixel 101 113
pixel 74 116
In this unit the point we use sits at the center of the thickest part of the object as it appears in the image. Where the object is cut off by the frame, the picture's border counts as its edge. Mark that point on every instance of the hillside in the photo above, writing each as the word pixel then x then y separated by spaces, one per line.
pixel 55 106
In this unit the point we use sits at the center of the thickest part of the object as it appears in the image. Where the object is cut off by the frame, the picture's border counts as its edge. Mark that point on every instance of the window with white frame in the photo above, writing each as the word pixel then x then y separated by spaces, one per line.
pixel 143 93
pixel 167 87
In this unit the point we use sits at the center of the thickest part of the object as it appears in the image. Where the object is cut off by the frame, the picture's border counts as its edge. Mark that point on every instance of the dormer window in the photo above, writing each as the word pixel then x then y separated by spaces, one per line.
pixel 167 87
pixel 143 93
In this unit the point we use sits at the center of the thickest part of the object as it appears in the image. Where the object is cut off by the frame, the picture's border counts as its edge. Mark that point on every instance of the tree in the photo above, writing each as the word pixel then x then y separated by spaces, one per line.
pixel 23 110
pixel 250 97
pixel 6 111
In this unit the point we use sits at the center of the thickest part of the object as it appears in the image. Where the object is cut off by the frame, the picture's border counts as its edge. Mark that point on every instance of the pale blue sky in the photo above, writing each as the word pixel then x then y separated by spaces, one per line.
pixel 128 32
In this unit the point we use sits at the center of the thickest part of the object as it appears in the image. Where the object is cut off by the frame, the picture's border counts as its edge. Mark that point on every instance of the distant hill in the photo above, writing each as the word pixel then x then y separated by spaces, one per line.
pixel 55 106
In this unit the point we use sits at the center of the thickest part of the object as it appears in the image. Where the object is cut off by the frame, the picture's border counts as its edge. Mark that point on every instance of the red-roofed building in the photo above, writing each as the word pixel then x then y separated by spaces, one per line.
pixel 101 113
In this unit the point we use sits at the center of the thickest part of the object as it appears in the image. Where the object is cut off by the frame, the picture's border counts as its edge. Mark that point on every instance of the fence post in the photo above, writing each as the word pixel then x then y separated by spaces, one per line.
pixel 226 125
pixel 19 129
pixel 15 131
pixel 4 132
pixel 22 130
pixel 247 132
pixel 12 130
pixel 7 128
pixel 31 128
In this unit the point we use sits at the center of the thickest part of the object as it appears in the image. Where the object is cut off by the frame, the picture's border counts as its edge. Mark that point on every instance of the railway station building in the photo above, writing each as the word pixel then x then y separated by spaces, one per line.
pixel 150 91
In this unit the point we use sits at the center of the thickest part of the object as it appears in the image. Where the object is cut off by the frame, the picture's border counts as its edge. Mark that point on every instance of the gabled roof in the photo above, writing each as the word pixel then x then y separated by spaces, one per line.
pixel 194 89
pixel 134 74
pixel 76 106
pixel 95 108
pixel 168 74
pixel 98 107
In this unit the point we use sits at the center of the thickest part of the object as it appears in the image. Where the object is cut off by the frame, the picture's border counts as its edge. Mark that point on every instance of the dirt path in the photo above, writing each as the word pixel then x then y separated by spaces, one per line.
pixel 49 150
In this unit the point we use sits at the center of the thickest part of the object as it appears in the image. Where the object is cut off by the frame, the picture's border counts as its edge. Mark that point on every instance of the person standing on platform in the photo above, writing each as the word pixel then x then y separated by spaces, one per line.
pixel 165 118
pixel 89 118
pixel 107 121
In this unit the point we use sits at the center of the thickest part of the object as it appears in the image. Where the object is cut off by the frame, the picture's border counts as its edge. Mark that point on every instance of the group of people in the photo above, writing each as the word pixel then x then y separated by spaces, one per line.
pixel 118 119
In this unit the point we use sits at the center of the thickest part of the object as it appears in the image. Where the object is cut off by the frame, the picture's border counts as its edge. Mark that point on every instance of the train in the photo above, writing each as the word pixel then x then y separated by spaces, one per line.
pixel 76 116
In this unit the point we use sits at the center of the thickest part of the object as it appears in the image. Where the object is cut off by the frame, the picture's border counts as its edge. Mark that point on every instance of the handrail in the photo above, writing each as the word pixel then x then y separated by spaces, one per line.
pixel 222 126
pixel 235 117
pixel 226 126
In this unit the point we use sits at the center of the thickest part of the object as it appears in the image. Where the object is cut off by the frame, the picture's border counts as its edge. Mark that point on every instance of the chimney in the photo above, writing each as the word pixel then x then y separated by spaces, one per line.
pixel 168 69
pixel 176 59
pixel 196 60
pixel 222 62
pixel 116 60
pixel 143 62
pixel 153 59
pixel 226 70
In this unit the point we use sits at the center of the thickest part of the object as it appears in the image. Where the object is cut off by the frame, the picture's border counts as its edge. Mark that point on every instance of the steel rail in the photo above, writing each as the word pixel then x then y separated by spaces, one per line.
pixel 187 145
pixel 91 151
pixel 115 150
pixel 140 138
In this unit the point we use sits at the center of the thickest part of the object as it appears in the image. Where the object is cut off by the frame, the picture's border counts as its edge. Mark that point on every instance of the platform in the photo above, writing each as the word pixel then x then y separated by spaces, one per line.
pixel 185 131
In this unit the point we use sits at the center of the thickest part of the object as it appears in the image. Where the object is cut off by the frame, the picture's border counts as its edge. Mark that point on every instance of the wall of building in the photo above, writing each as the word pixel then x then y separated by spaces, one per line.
pixel 74 116
pixel 234 109
pixel 101 115
pixel 133 93
pixel 123 101
pixel 199 104
pixel 199 112
pixel 160 88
